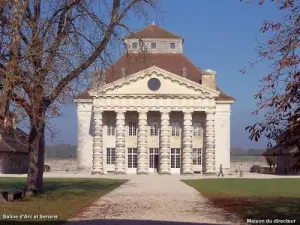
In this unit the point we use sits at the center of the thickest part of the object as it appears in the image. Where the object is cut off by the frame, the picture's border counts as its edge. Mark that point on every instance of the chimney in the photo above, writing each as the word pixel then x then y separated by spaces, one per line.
pixel 183 71
pixel 123 72
pixel 209 78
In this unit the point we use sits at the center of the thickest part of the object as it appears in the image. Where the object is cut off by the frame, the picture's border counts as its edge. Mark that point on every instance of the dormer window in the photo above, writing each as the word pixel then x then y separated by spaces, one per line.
pixel 172 45
pixel 134 45
pixel 153 45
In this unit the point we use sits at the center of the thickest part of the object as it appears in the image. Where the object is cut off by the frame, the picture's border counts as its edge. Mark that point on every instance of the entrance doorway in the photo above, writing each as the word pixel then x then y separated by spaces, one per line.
pixel 153 160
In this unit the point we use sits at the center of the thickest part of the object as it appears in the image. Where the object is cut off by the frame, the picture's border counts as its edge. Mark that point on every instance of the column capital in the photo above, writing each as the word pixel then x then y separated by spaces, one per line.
pixel 98 109
pixel 120 110
pixel 142 110
pixel 187 111
pixel 165 111
pixel 210 111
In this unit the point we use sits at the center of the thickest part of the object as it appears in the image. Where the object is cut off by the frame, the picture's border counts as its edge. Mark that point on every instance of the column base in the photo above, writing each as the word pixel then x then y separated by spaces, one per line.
pixel 96 173
pixel 120 173
pixel 209 173
pixel 142 173
pixel 188 173
pixel 164 173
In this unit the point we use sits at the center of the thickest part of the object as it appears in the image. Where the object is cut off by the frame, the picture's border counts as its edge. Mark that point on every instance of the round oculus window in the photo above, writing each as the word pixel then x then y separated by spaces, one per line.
pixel 154 84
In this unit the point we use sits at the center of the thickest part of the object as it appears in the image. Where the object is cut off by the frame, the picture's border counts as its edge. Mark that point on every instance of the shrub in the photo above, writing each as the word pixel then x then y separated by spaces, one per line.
pixel 47 168
pixel 255 169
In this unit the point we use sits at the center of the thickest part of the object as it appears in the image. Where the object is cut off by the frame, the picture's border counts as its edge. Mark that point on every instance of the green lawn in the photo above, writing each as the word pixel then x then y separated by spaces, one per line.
pixel 63 197
pixel 253 198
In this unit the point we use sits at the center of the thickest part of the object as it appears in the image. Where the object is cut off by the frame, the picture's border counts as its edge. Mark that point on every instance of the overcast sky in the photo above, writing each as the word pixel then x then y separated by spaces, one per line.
pixel 219 35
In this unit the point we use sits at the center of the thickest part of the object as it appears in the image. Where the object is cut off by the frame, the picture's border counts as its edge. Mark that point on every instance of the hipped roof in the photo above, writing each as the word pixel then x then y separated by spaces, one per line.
pixel 172 62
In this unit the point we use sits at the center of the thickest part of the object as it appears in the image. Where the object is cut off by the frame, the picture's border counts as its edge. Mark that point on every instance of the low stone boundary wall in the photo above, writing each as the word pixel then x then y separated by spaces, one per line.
pixel 71 164
pixel 62 164
pixel 234 165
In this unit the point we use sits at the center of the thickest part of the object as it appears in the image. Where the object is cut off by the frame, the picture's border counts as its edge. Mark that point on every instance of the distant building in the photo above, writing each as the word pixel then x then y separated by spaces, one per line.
pixel 154 111
pixel 13 149
pixel 285 157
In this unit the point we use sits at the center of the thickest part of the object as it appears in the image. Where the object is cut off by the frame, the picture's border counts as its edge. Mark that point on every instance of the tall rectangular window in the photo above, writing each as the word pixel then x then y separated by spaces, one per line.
pixel 134 45
pixel 175 128
pixel 153 45
pixel 175 157
pixel 111 129
pixel 172 45
pixel 197 156
pixel 153 152
pixel 132 126
pixel 197 129
pixel 153 128
pixel 110 156
pixel 132 157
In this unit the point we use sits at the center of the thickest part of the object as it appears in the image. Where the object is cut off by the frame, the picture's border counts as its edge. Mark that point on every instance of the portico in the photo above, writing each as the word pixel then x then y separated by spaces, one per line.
pixel 142 148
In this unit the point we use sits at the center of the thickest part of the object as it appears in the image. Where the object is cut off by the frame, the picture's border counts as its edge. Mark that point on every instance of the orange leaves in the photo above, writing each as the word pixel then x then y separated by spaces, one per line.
pixel 243 70
pixel 288 62
pixel 268 77
pixel 55 110
pixel 270 25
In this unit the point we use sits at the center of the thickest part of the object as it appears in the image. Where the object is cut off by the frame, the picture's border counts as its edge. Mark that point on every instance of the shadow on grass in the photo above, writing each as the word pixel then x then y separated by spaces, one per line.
pixel 260 208
pixel 54 186
pixel 103 222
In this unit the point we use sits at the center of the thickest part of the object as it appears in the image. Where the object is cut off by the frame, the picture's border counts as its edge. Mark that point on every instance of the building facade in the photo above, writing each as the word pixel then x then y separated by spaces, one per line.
pixel 153 111
pixel 14 155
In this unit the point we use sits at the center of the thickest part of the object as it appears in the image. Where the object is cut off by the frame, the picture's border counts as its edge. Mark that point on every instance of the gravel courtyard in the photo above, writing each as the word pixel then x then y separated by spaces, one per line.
pixel 147 198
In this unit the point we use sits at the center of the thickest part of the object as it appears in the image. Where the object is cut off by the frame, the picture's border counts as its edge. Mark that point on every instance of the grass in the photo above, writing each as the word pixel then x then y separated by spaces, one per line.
pixel 253 198
pixel 63 197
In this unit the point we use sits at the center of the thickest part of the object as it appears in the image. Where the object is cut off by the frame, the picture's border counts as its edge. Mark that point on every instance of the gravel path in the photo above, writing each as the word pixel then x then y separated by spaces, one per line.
pixel 146 198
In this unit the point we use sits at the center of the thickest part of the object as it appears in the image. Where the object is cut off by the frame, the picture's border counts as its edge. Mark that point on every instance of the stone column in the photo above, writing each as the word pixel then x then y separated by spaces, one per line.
pixel 187 144
pixel 210 143
pixel 120 143
pixel 165 143
pixel 97 142
pixel 142 158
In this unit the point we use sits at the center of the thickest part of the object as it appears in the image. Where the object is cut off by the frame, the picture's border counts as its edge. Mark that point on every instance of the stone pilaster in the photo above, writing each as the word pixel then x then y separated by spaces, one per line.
pixel 210 143
pixel 120 143
pixel 142 158
pixel 165 143
pixel 97 142
pixel 187 144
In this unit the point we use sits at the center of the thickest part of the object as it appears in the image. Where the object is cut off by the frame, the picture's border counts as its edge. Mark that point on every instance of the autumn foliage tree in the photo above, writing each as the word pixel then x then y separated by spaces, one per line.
pixel 279 95
pixel 46 48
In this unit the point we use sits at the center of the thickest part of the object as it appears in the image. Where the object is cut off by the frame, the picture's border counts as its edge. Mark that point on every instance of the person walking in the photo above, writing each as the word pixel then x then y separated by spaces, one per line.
pixel 241 170
pixel 221 171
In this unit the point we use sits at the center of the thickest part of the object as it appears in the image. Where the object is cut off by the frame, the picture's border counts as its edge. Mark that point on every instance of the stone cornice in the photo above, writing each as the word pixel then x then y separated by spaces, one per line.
pixel 208 110
pixel 83 101
pixel 224 102
pixel 152 71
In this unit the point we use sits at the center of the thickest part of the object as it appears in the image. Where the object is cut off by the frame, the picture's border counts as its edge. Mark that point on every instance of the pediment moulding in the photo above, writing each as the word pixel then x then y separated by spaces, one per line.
pixel 154 72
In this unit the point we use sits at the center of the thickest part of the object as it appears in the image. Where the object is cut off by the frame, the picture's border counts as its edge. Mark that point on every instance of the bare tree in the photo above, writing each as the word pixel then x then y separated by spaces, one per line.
pixel 279 95
pixel 46 50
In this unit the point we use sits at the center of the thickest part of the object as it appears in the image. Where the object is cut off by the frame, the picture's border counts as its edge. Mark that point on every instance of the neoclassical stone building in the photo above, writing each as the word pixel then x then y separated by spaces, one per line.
pixel 154 111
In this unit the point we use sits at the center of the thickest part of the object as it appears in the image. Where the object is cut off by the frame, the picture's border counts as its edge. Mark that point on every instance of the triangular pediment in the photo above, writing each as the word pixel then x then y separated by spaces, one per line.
pixel 170 84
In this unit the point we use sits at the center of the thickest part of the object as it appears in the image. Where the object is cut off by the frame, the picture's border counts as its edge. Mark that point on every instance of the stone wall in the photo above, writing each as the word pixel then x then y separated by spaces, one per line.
pixel 71 164
pixel 62 164
pixel 247 164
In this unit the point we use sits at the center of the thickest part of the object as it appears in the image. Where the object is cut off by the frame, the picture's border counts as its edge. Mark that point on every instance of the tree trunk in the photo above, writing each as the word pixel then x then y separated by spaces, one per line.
pixel 36 146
